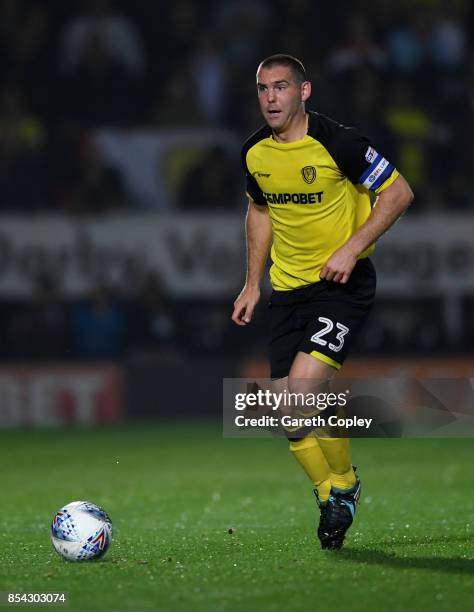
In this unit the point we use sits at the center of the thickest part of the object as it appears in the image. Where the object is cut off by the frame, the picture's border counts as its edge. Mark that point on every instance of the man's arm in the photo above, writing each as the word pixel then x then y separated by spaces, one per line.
pixel 259 238
pixel 390 204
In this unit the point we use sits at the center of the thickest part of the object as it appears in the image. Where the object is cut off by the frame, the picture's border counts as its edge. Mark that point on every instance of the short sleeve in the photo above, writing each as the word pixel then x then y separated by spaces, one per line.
pixel 361 163
pixel 253 190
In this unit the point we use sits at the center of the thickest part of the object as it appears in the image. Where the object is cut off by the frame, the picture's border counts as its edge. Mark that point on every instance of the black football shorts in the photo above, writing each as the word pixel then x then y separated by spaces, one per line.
pixel 322 319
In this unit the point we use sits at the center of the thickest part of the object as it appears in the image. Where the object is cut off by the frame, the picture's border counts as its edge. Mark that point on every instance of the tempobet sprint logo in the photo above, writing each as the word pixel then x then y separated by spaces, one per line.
pixel 294 198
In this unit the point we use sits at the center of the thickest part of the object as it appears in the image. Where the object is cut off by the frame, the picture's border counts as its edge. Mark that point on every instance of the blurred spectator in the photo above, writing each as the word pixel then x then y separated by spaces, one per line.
pixel 185 19
pixel 208 328
pixel 99 188
pixel 99 90
pixel 11 12
pixel 153 325
pixel 98 326
pixel 39 328
pixel 411 129
pixel 358 49
pixel 84 183
pixel 175 104
pixel 428 36
pixel 209 77
pixel 448 41
pixel 299 12
pixel 407 41
pixel 115 33
pixel 244 25
pixel 64 164
pixel 367 99
pixel 22 154
pixel 243 118
pixel 28 50
pixel 405 326
pixel 213 183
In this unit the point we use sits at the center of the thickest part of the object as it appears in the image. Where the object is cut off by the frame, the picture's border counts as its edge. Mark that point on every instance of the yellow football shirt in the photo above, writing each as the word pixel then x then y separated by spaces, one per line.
pixel 317 192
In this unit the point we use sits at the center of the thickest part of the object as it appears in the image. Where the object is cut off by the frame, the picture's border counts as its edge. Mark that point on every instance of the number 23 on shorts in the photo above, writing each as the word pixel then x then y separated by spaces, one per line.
pixel 329 325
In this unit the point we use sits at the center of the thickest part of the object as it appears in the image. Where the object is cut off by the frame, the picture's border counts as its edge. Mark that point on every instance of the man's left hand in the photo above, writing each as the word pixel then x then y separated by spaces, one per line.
pixel 339 266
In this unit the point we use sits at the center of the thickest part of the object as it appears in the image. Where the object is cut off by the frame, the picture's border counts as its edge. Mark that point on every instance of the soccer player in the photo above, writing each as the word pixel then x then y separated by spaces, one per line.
pixel 309 183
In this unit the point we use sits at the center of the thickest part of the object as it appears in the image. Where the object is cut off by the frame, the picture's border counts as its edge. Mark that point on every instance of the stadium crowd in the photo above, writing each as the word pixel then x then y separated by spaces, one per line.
pixel 79 79
pixel 147 324
pixel 402 73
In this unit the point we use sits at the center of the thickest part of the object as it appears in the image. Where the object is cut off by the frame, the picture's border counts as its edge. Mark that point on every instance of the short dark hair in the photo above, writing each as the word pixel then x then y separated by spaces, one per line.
pixel 282 59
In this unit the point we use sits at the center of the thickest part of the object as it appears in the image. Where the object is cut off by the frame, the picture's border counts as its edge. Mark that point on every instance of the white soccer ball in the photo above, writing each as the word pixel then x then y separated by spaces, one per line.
pixel 81 531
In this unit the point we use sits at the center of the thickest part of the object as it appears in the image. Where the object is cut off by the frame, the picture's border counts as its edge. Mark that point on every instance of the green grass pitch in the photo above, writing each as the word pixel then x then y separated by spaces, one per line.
pixel 203 523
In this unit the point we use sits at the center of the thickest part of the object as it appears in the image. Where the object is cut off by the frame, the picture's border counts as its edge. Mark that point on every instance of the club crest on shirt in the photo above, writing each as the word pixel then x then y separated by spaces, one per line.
pixel 309 174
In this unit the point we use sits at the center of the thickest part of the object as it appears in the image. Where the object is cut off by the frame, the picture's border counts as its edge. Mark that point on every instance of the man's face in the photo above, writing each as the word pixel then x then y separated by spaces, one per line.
pixel 280 96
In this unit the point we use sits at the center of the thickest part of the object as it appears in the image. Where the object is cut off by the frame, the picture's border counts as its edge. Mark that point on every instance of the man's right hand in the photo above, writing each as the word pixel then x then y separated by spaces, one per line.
pixel 245 304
